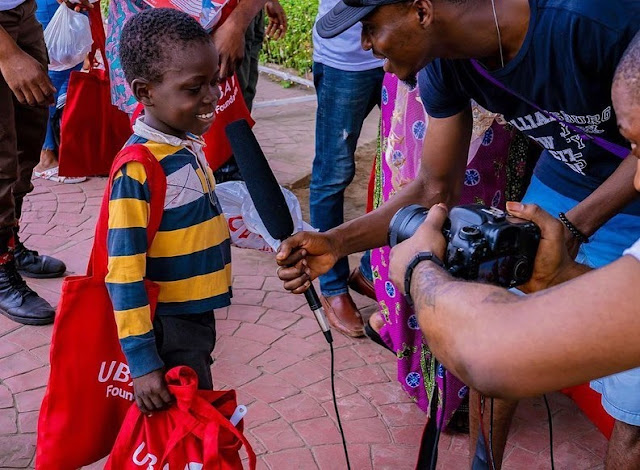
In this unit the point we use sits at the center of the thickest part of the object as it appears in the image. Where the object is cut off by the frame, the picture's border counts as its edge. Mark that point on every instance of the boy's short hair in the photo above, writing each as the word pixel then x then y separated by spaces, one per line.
pixel 150 36
pixel 628 70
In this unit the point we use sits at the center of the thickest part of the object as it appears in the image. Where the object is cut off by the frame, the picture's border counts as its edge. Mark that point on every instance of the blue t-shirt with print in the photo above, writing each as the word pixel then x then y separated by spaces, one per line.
pixel 566 66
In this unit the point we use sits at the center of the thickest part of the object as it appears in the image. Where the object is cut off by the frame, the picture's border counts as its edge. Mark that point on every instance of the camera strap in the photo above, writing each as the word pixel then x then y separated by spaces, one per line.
pixel 617 150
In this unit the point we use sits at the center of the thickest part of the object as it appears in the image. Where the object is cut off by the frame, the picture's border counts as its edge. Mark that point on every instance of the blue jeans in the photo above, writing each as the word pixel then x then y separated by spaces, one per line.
pixel 345 99
pixel 60 80
pixel 620 392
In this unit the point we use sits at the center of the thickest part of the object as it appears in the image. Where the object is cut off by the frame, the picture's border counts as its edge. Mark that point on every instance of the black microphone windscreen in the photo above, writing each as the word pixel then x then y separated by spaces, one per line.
pixel 261 183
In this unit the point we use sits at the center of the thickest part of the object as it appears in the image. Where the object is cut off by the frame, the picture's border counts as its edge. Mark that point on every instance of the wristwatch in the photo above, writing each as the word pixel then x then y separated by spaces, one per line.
pixel 417 259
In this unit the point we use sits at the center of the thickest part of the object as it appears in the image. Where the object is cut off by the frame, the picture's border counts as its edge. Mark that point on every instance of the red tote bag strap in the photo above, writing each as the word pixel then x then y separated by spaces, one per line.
pixel 98 35
pixel 157 186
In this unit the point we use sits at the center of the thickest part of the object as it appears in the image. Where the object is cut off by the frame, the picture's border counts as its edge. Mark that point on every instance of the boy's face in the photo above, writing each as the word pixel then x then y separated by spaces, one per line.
pixel 628 115
pixel 186 97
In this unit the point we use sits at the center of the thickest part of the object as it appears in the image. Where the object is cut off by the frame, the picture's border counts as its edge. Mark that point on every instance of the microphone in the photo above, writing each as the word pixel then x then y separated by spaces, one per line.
pixel 268 199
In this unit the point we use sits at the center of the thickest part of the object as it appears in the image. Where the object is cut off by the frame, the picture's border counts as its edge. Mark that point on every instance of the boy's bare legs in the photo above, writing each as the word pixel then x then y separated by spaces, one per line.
pixel 624 447
pixel 503 411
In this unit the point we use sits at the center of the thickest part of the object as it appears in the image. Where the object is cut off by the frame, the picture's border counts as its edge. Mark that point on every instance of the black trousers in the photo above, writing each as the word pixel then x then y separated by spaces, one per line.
pixel 187 340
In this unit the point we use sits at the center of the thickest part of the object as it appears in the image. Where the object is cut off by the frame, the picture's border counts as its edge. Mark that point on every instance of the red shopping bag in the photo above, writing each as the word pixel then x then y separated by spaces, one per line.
pixel 90 388
pixel 194 433
pixel 92 130
pixel 231 107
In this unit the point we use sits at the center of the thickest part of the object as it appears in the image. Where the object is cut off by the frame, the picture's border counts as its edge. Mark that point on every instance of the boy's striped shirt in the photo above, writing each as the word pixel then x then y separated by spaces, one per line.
pixel 189 258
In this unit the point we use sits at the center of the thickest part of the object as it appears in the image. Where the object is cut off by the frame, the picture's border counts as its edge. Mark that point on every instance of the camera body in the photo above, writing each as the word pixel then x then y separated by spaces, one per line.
pixel 483 243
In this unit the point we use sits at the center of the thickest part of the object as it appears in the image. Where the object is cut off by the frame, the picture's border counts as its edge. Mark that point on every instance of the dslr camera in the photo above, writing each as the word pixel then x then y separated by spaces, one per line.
pixel 483 243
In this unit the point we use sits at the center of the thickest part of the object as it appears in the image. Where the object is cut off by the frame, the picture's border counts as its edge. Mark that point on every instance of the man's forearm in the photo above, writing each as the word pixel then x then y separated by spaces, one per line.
pixel 514 346
pixel 245 12
pixel 606 201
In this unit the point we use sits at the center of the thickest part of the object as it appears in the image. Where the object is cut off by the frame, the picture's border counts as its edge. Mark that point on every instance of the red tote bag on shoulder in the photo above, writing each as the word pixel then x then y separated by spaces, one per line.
pixel 92 130
pixel 90 387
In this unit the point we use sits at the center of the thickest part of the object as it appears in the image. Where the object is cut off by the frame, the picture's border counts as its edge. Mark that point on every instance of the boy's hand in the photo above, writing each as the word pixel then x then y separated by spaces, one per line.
pixel 151 392
pixel 27 79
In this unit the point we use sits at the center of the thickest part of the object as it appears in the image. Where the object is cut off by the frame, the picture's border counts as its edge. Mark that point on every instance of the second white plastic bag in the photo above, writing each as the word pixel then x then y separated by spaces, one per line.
pixel 68 38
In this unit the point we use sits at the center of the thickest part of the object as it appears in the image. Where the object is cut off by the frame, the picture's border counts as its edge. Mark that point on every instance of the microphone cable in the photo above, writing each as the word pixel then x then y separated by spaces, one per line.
pixel 434 396
pixel 493 464
pixel 335 404
pixel 546 402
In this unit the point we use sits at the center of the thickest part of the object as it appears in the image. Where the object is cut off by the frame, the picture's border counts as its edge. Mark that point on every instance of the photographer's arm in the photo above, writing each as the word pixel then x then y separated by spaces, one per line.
pixel 512 346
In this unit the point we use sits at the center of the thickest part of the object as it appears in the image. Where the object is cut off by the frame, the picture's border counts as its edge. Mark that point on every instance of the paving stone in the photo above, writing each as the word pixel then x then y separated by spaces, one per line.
pixel 34 228
pixel 299 346
pixel 365 375
pixel 394 457
pixel 299 407
pixel 270 389
pixel 27 337
pixel 245 313
pixel 7 325
pixel 6 398
pixel 345 359
pixel 292 459
pixel 248 296
pixel 303 373
pixel 8 423
pixel 520 459
pixel 248 282
pixel 31 380
pixel 28 421
pixel 366 431
pixel 321 391
pixel 274 360
pixel 226 327
pixel 259 413
pixel 283 301
pixel 29 400
pixel 385 393
pixel 7 348
pixel 318 431
pixel 305 327
pixel 332 456
pixel 411 434
pixel 351 407
pixel 17 450
pixel 17 364
pixel 400 414
pixel 238 350
pixel 260 333
pixel 277 435
pixel 232 373
pixel 278 319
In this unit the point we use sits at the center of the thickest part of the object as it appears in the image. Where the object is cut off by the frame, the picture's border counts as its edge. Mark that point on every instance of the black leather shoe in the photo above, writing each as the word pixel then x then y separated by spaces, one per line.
pixel 31 264
pixel 18 302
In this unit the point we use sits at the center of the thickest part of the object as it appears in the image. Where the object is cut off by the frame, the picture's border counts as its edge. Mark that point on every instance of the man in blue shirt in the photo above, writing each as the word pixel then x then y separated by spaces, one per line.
pixel 533 57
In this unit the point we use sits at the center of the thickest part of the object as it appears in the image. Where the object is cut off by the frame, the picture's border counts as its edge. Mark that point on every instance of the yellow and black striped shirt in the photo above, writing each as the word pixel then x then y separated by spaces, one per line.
pixel 189 258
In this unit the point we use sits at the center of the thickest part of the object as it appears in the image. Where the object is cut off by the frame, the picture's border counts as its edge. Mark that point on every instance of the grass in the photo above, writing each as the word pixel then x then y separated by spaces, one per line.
pixel 295 50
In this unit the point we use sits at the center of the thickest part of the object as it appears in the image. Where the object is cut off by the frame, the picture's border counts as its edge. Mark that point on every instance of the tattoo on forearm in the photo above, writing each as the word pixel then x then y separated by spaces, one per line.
pixel 503 297
pixel 430 278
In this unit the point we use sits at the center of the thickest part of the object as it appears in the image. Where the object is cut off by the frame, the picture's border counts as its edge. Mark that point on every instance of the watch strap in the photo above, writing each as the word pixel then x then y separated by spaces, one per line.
pixel 417 259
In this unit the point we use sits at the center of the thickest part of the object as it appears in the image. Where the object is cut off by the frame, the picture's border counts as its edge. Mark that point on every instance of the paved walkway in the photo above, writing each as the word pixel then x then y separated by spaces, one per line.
pixel 269 348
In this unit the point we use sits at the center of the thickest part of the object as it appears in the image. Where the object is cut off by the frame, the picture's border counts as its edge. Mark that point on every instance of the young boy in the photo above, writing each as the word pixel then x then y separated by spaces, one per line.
pixel 171 64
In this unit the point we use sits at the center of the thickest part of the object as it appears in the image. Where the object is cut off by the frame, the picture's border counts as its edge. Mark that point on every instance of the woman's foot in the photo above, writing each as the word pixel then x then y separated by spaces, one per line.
pixel 372 330
pixel 48 160
pixel 52 175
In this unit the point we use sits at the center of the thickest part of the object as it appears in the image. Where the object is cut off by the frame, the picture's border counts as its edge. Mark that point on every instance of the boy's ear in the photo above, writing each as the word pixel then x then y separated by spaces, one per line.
pixel 141 89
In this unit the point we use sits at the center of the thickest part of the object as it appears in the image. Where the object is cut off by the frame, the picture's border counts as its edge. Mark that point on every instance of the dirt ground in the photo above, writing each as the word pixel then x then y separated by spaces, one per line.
pixel 355 202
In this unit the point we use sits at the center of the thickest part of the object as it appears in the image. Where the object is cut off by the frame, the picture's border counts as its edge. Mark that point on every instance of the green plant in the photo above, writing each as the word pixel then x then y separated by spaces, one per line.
pixel 295 50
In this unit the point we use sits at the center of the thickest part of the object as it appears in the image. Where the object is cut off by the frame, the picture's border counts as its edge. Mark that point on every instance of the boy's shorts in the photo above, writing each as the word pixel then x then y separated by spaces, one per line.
pixel 187 340
pixel 620 396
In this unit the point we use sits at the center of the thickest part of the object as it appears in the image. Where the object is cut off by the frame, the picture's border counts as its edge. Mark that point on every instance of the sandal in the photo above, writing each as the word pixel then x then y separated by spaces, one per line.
pixel 374 336
pixel 51 174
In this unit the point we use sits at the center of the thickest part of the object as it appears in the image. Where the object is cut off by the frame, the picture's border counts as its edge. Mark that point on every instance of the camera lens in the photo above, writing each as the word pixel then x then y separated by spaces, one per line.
pixel 405 223
pixel 521 271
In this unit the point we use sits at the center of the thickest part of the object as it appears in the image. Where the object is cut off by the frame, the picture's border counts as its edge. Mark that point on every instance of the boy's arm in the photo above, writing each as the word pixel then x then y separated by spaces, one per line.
pixel 26 77
pixel 127 249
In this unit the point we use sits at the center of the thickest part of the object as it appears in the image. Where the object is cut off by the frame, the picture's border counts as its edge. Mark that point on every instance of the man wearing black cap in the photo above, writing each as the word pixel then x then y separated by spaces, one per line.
pixel 547 66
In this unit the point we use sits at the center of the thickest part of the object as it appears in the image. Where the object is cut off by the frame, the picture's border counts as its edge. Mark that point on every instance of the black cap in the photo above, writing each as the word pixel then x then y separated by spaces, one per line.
pixel 345 14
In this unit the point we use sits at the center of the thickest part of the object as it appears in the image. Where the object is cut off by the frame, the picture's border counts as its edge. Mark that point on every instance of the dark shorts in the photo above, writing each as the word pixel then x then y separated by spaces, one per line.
pixel 187 340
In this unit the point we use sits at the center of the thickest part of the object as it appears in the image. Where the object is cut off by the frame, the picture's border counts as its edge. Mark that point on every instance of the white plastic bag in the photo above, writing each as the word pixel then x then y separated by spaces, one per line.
pixel 245 225
pixel 68 38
